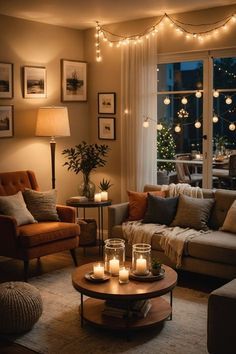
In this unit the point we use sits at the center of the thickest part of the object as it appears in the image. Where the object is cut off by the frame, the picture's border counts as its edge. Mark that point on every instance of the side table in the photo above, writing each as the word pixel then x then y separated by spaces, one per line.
pixel 92 204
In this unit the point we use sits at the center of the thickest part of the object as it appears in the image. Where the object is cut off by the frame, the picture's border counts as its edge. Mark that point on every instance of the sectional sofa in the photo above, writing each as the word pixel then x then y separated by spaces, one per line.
pixel 214 254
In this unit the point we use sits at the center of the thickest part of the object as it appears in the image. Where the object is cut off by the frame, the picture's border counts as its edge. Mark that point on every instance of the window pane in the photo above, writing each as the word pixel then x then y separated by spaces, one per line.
pixel 224 73
pixel 180 76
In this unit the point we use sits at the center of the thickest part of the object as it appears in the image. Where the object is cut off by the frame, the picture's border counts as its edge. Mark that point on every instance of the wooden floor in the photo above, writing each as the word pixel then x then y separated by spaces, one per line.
pixel 12 270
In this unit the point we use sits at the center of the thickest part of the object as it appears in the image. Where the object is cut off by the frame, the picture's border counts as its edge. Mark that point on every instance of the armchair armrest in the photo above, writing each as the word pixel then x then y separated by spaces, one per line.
pixel 117 214
pixel 8 235
pixel 66 213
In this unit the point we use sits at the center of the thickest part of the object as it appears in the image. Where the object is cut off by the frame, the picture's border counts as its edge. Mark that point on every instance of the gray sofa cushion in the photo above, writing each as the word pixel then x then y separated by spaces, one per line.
pixel 160 210
pixel 216 246
pixel 223 201
pixel 193 212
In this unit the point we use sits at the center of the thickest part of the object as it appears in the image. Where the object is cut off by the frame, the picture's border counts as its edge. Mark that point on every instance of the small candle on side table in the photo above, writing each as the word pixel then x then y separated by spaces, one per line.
pixel 104 195
pixel 141 266
pixel 97 197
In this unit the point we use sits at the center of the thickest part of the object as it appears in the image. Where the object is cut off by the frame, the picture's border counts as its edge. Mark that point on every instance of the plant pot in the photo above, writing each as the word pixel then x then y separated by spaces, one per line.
pixel 156 271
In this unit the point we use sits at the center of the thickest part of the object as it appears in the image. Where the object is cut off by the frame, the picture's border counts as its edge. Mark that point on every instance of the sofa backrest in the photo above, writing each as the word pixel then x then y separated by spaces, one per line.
pixel 223 201
pixel 13 182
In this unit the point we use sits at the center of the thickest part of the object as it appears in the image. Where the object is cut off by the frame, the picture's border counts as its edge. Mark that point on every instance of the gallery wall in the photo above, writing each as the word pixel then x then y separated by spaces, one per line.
pixel 29 43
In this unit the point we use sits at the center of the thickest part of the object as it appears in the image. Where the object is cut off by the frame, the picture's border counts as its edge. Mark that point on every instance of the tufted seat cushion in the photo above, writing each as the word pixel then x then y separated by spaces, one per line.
pixel 44 232
pixel 223 201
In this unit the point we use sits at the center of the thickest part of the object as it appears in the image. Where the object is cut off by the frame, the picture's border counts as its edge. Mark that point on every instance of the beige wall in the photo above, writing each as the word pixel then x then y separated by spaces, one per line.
pixel 30 43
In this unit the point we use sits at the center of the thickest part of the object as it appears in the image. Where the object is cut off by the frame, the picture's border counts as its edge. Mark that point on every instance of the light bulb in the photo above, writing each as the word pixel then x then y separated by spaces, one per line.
pixel 197 124
pixel 145 124
pixel 215 119
pixel 159 126
pixel 198 94
pixel 98 58
pixel 184 100
pixel 178 128
pixel 228 100
pixel 126 111
pixel 232 127
pixel 216 93
pixel 166 101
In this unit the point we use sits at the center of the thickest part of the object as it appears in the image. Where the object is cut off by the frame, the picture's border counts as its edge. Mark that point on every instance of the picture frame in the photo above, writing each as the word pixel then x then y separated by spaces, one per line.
pixel 6 121
pixel 73 80
pixel 35 85
pixel 106 103
pixel 106 128
pixel 6 80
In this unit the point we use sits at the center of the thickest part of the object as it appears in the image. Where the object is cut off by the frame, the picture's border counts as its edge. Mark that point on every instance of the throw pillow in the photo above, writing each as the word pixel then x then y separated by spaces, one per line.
pixel 229 223
pixel 193 212
pixel 42 205
pixel 160 210
pixel 14 205
pixel 138 203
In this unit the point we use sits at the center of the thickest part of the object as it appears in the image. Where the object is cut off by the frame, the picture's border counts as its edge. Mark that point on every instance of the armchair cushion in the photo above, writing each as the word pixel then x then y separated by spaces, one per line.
pixel 14 205
pixel 42 205
pixel 45 232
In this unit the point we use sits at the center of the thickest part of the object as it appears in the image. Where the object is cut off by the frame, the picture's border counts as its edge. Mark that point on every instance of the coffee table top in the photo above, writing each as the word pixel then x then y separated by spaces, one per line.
pixel 112 289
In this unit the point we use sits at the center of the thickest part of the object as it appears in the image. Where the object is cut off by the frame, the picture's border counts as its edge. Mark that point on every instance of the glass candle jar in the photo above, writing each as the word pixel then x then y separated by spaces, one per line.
pixel 141 258
pixel 114 255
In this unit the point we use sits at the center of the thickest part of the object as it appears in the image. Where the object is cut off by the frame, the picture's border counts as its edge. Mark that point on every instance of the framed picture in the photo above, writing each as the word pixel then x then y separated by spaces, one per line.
pixel 6 121
pixel 74 80
pixel 106 128
pixel 106 103
pixel 6 80
pixel 34 82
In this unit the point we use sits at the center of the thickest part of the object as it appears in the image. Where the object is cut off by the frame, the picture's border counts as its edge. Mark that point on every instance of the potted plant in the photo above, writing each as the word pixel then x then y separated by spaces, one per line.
pixel 86 158
pixel 104 185
pixel 156 266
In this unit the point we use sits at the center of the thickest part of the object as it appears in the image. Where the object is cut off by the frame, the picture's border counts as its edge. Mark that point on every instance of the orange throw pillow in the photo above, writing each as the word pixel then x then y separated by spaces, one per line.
pixel 138 203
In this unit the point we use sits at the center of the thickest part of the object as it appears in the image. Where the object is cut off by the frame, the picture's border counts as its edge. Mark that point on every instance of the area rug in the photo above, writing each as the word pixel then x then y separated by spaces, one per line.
pixel 58 330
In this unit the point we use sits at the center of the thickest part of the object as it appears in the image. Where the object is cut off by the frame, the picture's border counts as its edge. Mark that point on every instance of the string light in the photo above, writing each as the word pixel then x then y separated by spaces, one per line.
pixel 198 94
pixel 166 101
pixel 181 28
pixel 97 44
pixel 215 119
pixel 146 123
pixel 159 126
pixel 228 100
pixel 197 124
pixel 232 127
pixel 177 128
pixel 182 113
pixel 216 93
pixel 184 100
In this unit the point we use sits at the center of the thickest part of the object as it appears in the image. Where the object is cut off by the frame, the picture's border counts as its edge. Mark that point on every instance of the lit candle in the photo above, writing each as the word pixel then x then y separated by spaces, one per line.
pixel 97 197
pixel 124 275
pixel 141 266
pixel 114 265
pixel 198 156
pixel 98 271
pixel 104 195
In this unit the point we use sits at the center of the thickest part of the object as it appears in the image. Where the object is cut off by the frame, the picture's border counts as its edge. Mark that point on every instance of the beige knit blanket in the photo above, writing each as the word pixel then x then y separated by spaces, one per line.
pixel 182 188
pixel 172 241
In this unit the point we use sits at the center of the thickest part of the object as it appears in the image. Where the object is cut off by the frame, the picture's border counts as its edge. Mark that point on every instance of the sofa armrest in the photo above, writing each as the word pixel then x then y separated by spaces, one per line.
pixel 117 214
pixel 66 213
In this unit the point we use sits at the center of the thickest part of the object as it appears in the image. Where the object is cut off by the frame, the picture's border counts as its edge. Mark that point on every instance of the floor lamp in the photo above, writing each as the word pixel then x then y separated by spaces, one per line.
pixel 52 122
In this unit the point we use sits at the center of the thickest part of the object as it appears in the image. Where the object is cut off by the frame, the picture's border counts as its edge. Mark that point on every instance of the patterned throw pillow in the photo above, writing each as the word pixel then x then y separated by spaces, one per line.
pixel 14 205
pixel 160 210
pixel 42 205
pixel 138 203
pixel 193 212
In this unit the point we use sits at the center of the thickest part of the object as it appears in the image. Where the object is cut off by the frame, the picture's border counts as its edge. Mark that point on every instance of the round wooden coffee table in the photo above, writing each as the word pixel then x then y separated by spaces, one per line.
pixel 91 309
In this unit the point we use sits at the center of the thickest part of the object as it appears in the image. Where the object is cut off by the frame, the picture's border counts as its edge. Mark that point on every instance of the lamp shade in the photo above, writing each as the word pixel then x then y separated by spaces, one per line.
pixel 52 121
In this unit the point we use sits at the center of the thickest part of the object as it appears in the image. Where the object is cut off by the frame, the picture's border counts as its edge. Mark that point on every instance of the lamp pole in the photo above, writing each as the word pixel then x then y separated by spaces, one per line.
pixel 53 150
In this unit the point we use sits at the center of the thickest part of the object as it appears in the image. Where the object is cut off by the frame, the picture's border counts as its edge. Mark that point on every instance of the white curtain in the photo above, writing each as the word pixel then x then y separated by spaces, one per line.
pixel 138 100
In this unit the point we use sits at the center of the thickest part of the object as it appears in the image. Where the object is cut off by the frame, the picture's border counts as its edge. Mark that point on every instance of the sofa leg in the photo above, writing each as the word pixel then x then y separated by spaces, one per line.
pixel 26 270
pixel 73 255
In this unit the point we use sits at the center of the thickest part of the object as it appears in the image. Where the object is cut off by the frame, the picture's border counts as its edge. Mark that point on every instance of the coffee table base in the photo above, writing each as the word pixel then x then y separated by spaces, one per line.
pixel 92 313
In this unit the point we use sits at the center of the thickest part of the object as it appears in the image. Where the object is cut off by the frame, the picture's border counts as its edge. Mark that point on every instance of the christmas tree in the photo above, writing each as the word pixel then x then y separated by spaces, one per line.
pixel 165 149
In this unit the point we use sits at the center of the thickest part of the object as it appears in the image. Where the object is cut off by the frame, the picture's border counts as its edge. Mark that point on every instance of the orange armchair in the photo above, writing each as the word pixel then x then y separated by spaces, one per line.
pixel 30 241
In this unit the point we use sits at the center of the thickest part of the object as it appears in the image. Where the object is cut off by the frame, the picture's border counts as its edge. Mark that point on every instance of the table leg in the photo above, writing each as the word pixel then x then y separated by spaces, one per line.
pixel 99 232
pixel 102 229
pixel 171 303
pixel 81 311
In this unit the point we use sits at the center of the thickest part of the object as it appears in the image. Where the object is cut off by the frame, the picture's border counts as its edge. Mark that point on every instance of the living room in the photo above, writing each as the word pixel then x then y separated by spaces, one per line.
pixel 49 34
